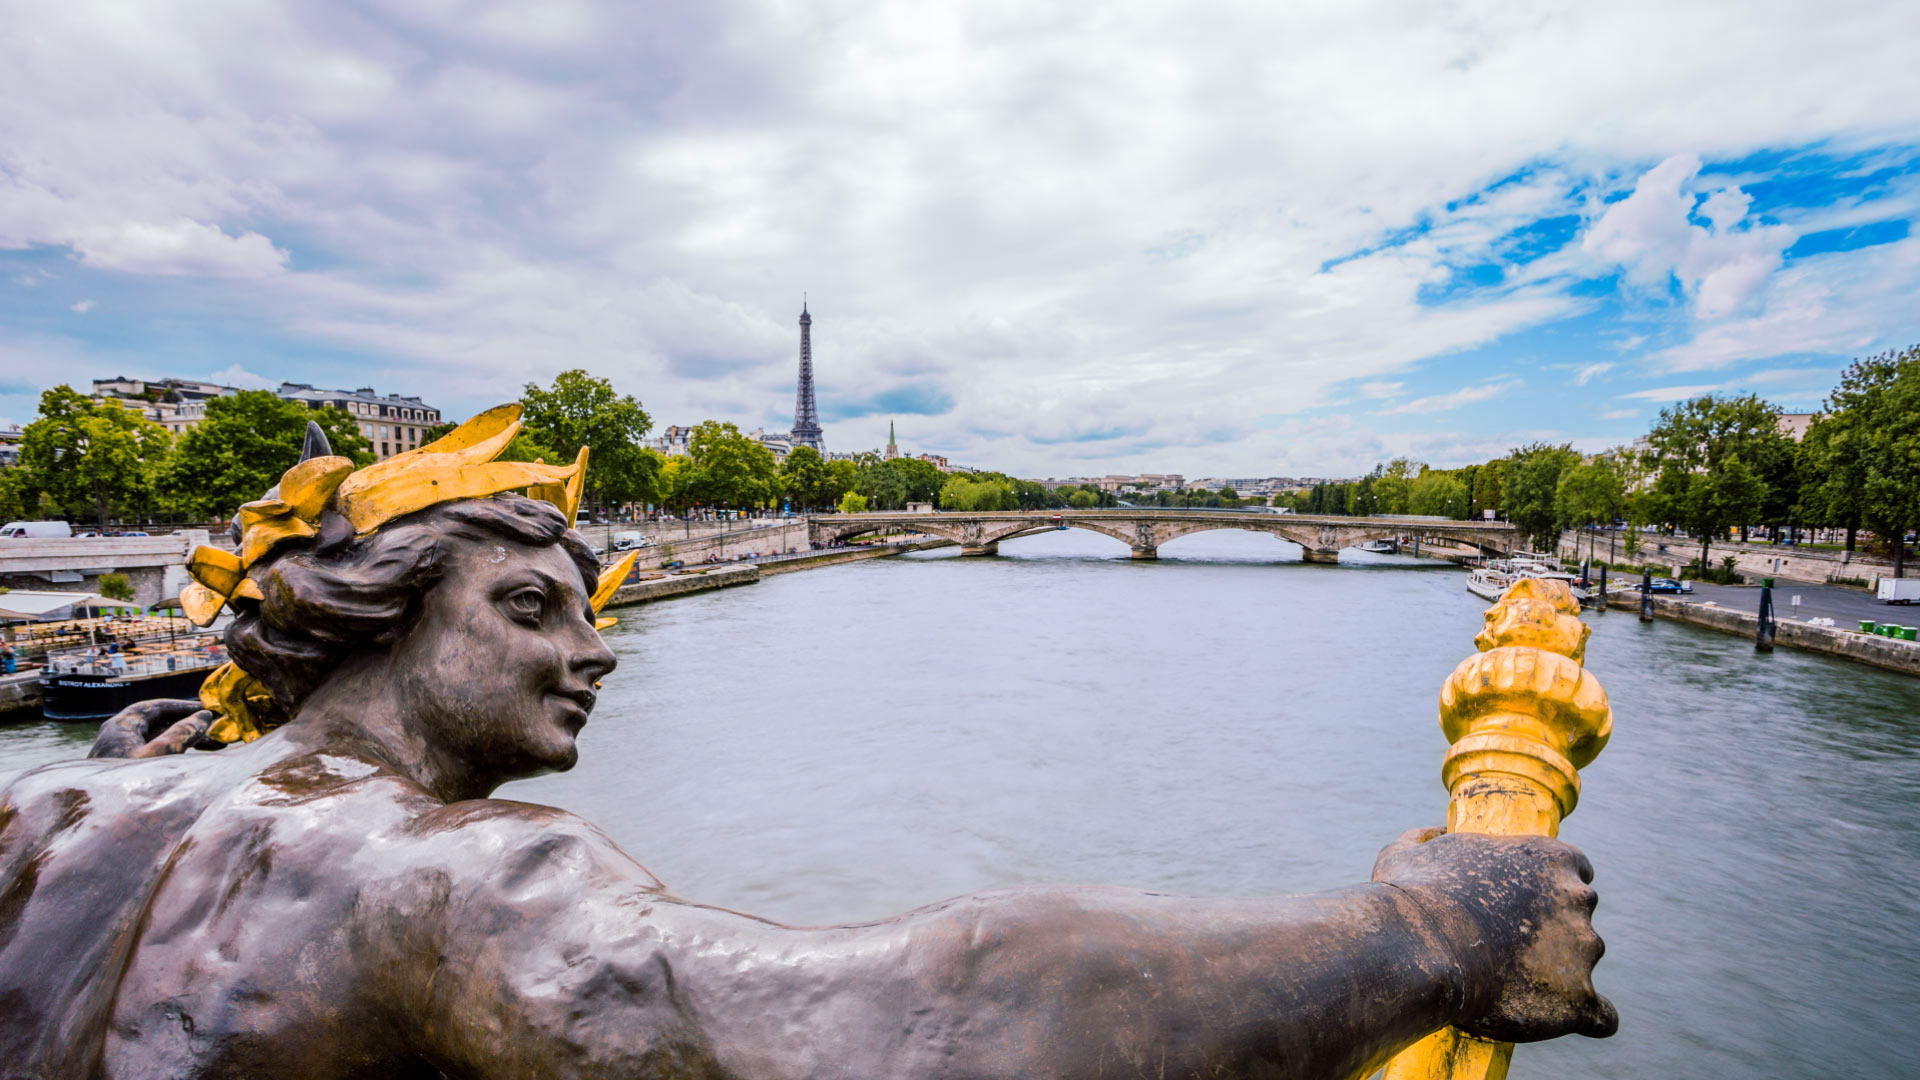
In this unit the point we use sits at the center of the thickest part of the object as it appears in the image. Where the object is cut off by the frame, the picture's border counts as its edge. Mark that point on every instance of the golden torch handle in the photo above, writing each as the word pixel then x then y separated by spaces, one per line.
pixel 1523 718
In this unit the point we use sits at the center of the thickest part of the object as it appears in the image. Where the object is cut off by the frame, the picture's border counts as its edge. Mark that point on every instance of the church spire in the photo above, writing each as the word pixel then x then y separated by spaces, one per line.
pixel 893 448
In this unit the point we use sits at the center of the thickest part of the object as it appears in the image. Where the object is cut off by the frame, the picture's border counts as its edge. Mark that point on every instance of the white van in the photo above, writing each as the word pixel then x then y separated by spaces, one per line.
pixel 37 530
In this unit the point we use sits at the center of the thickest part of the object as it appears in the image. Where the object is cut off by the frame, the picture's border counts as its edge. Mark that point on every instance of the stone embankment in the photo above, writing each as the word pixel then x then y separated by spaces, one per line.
pixel 1754 561
pixel 684 582
pixel 671 544
pixel 1839 641
pixel 20 693
pixel 705 579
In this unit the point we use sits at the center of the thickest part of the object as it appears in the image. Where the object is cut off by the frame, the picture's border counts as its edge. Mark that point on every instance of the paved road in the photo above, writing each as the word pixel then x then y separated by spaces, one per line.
pixel 1845 606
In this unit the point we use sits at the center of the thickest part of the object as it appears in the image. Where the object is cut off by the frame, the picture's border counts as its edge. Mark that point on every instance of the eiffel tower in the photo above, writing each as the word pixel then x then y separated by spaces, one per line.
pixel 806 419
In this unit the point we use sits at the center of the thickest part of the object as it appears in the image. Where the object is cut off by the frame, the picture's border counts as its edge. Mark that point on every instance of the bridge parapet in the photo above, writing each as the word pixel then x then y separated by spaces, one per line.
pixel 1321 538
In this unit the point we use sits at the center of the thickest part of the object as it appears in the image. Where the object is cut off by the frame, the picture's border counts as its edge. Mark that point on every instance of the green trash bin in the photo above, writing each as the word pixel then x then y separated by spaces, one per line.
pixel 1910 633
pixel 1866 626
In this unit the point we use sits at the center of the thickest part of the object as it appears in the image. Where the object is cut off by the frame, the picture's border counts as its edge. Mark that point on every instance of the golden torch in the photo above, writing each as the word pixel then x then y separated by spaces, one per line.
pixel 1523 717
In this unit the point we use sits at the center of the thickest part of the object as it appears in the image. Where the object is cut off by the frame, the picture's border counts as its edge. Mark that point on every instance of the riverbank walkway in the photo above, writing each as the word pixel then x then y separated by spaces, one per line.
pixel 1846 607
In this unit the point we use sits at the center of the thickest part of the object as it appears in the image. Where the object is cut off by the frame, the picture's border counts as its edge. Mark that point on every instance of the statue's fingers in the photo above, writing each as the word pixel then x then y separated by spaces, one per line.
pixel 157 715
pixel 1599 1019
pixel 1404 843
pixel 1583 866
pixel 190 727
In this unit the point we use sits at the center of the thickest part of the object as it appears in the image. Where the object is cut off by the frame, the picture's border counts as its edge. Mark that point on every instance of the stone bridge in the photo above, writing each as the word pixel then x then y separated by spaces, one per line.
pixel 156 566
pixel 1143 531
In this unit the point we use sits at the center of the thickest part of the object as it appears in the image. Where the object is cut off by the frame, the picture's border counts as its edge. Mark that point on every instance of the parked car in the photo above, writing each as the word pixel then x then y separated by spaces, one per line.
pixel 36 530
pixel 1669 585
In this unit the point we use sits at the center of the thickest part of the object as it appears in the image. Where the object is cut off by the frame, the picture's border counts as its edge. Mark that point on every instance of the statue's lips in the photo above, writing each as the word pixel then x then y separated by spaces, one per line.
pixel 578 702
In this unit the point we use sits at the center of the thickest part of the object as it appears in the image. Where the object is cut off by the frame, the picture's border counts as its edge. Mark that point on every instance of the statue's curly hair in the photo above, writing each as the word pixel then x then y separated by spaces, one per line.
pixel 325 601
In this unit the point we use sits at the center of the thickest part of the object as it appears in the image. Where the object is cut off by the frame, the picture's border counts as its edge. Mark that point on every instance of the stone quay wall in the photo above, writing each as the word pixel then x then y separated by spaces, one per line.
pixel 1895 655
pixel 670 546
pixel 20 693
pixel 681 584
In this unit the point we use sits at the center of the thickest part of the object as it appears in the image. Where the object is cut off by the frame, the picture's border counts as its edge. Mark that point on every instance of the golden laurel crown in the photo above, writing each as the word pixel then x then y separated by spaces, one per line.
pixel 458 465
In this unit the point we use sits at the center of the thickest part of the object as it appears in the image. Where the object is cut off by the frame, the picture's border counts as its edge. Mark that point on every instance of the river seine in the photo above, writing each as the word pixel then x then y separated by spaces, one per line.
pixel 847 743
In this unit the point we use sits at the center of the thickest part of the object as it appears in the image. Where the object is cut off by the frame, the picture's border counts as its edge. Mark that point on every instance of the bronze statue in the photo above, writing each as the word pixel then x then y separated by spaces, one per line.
pixel 335 894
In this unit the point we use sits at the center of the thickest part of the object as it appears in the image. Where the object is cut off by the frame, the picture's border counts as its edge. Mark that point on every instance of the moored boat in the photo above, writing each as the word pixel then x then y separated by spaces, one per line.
pixel 1491 581
pixel 89 684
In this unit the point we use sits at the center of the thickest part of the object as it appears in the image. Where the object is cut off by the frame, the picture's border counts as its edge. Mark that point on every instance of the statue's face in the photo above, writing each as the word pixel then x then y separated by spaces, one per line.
pixel 499 672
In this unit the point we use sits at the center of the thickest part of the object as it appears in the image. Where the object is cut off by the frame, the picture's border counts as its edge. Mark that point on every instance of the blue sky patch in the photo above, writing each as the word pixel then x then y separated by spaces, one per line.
pixel 1860 236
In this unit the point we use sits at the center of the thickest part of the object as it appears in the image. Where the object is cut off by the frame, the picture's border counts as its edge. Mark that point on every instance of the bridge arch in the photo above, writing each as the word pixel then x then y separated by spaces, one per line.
pixel 1320 539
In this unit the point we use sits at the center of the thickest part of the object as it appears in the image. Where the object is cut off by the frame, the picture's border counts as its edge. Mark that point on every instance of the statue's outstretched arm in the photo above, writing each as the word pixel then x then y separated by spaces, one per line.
pixel 567 960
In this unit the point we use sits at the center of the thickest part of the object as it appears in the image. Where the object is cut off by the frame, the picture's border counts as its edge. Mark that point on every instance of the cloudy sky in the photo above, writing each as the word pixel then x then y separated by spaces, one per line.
pixel 1053 238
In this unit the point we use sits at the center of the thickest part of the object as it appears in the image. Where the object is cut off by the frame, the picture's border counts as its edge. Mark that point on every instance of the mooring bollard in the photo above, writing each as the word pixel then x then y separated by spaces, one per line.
pixel 1646 596
pixel 1763 638
pixel 1523 717
pixel 1601 604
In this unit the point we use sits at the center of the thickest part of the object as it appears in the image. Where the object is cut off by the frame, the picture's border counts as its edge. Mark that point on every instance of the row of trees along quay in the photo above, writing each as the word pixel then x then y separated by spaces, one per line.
pixel 1711 465
pixel 99 461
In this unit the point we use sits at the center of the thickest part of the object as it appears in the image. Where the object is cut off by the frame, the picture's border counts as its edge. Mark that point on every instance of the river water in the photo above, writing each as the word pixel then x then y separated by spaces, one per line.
pixel 847 743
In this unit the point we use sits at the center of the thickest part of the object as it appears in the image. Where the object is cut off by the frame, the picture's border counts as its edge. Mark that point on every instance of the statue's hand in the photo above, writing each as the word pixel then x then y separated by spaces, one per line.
pixel 152 728
pixel 1526 905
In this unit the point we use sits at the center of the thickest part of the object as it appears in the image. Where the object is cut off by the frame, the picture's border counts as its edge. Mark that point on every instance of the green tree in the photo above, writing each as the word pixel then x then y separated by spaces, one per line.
pixel 1437 493
pixel 841 476
pixel 976 493
pixel 1846 475
pixel 582 410
pixel 804 477
pixel 116 586
pixel 1393 487
pixel 1530 477
pixel 243 446
pixel 1708 453
pixel 731 469
pixel 920 480
pixel 1363 496
pixel 1890 503
pixel 1489 486
pixel 84 457
pixel 1832 472
pixel 1589 493
pixel 853 503
pixel 676 483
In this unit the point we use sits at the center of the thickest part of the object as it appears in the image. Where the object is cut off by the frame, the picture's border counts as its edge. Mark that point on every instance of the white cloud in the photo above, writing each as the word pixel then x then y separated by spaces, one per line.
pixel 1670 393
pixel 1840 304
pixel 178 247
pixel 1466 395
pixel 81 307
pixel 235 375
pixel 1720 265
pixel 1590 372
pixel 1070 222
pixel 1620 414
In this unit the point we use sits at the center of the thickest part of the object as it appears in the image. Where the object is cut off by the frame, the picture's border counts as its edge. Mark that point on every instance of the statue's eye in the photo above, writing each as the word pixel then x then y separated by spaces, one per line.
pixel 526 604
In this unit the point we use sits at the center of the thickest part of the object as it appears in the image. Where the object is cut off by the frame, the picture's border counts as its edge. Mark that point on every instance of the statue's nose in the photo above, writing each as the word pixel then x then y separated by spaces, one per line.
pixel 594 661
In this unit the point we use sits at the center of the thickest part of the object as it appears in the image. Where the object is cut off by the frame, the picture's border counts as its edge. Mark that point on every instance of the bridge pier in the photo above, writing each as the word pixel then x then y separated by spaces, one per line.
pixel 1308 554
pixel 990 548
pixel 1146 552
